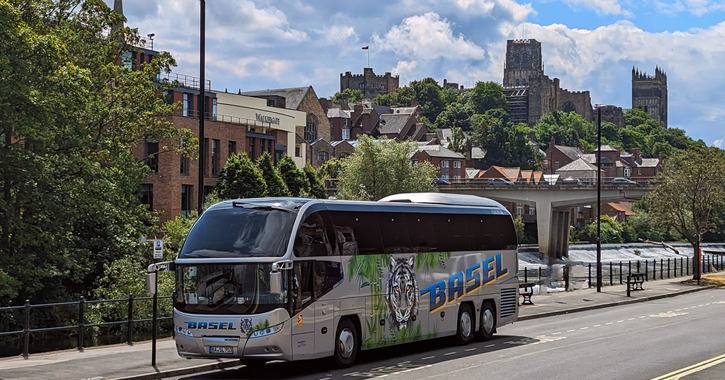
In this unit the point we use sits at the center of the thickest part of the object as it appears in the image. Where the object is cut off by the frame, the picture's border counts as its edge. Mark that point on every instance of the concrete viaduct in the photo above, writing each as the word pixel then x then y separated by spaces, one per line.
pixel 553 204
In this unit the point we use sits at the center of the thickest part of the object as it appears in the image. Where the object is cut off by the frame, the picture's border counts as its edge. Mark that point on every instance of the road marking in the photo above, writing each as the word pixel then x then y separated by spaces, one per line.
pixel 490 345
pixel 609 323
pixel 692 369
pixel 678 309
pixel 707 304
pixel 428 357
pixel 642 316
pixel 700 305
pixel 620 321
pixel 631 319
pixel 471 349
pixel 450 353
pixel 556 333
pixel 583 328
pixel 596 325
pixel 570 330
pixel 686 308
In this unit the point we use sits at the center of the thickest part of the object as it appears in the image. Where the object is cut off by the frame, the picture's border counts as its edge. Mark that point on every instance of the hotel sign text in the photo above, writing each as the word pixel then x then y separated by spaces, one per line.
pixel 267 119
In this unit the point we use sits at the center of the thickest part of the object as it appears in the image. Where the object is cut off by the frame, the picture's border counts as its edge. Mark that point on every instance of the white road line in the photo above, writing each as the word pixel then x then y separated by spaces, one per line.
pixel 450 353
pixel 596 325
pixel 583 328
pixel 609 323
pixel 620 321
pixel 678 309
pixel 490 345
pixel 556 333
pixel 631 319
pixel 471 349
pixel 687 308
pixel 428 357
pixel 642 317
pixel 570 330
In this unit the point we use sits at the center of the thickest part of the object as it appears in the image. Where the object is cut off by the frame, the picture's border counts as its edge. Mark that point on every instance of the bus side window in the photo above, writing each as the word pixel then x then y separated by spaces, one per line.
pixel 394 232
pixel 312 238
pixel 327 275
pixel 357 232
pixel 450 232
pixel 420 232
pixel 302 284
pixel 506 231
pixel 482 232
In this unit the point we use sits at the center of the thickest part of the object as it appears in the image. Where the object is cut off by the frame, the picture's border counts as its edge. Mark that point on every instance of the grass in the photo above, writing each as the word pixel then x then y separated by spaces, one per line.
pixel 717 280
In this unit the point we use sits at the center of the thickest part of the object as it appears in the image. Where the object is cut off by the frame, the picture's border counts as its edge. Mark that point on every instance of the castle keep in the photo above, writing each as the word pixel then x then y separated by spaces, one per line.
pixel 649 93
pixel 370 84
pixel 531 93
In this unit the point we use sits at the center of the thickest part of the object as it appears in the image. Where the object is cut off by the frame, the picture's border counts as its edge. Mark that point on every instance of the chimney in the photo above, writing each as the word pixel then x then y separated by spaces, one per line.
pixel 324 103
pixel 552 142
pixel 635 154
pixel 343 102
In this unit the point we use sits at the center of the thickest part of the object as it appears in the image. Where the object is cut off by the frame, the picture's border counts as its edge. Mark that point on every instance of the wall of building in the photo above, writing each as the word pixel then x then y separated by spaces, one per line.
pixel 649 93
pixel 370 84
pixel 311 105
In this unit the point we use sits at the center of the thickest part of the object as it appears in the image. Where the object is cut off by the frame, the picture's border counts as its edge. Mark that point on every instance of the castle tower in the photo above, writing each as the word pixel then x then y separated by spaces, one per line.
pixel 649 93
pixel 523 62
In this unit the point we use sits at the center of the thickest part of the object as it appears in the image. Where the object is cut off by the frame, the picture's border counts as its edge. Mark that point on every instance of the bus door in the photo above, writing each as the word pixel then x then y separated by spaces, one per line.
pixel 303 321
pixel 327 275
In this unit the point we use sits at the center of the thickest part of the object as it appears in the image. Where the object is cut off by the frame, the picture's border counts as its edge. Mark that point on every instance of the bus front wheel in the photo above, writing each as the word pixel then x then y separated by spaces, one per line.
pixel 346 343
pixel 466 324
pixel 488 322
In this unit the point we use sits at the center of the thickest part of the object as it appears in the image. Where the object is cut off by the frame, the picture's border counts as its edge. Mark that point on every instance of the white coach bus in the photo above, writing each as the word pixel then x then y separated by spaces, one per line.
pixel 294 279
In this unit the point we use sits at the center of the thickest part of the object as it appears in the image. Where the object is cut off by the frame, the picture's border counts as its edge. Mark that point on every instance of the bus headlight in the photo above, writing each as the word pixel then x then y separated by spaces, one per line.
pixel 267 331
pixel 183 331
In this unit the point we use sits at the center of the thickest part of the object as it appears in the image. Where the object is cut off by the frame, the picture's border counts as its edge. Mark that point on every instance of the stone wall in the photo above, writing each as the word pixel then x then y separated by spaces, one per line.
pixel 370 84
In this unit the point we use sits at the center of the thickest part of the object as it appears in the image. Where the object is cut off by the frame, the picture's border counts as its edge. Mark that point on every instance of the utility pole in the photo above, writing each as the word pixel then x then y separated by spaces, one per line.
pixel 599 199
pixel 202 104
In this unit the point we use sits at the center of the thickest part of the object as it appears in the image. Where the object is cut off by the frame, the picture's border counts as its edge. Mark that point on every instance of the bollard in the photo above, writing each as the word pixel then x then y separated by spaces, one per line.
pixel 26 331
pixel 610 274
pixel 681 269
pixel 688 265
pixel 629 267
pixel 674 265
pixel 628 285
pixel 539 270
pixel 646 271
pixel 620 273
pixel 668 267
pixel 590 275
pixel 526 274
pixel 80 323
pixel 566 277
pixel 662 268
pixel 129 327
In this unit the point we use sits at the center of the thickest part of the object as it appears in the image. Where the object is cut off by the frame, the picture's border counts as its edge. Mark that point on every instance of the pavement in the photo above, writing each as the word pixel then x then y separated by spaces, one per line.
pixel 134 362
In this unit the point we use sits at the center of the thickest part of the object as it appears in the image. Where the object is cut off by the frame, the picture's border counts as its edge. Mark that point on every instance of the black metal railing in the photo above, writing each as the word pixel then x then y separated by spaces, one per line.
pixel 27 330
pixel 616 272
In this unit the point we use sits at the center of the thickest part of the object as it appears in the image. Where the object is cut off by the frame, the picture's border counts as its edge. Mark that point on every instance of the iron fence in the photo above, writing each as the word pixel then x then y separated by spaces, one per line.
pixel 27 330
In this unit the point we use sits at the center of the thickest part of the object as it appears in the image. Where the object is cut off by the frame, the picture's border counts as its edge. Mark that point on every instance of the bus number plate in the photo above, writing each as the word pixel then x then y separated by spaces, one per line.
pixel 221 350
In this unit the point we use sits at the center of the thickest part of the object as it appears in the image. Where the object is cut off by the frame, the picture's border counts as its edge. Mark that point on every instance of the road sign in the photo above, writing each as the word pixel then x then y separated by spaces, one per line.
pixel 158 249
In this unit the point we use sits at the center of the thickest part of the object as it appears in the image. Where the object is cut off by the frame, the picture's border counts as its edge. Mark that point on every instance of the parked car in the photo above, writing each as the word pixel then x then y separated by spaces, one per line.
pixel 571 181
pixel 439 182
pixel 500 181
pixel 623 181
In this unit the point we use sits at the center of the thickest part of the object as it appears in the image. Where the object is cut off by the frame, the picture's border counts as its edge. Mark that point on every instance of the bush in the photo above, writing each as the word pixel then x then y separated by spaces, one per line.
pixel 240 178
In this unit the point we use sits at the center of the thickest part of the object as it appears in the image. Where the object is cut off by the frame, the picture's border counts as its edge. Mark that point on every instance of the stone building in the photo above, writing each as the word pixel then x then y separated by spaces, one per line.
pixel 612 114
pixel 302 99
pixel 370 84
pixel 649 93
pixel 530 92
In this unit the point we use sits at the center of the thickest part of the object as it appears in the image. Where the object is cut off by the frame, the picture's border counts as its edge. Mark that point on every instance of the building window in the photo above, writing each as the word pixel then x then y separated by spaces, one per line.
pixel 184 169
pixel 269 146
pixel 556 165
pixel 323 156
pixel 186 199
pixel 444 177
pixel 252 143
pixel 127 60
pixel 206 157
pixel 270 102
pixel 639 171
pixel 232 147
pixel 297 151
pixel 444 163
pixel 344 154
pixel 152 155
pixel 382 86
pixel 519 209
pixel 517 82
pixel 361 86
pixel 188 105
pixel 523 82
pixel 456 164
pixel 627 172
pixel 214 157
pixel 213 108
pixel 415 161
pixel 532 210
pixel 346 133
pixel 311 128
pixel 147 195
pixel 525 59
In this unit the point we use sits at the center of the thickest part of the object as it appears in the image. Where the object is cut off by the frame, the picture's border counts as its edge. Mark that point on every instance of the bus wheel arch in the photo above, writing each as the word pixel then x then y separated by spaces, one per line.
pixel 487 320
pixel 348 328
pixel 466 323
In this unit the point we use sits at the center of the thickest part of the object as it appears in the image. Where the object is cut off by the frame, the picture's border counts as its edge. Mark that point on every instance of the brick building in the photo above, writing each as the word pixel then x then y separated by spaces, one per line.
pixel 449 164
pixel 558 156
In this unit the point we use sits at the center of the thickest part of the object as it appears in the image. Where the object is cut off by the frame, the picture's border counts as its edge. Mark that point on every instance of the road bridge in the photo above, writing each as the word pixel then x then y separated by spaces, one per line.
pixel 553 204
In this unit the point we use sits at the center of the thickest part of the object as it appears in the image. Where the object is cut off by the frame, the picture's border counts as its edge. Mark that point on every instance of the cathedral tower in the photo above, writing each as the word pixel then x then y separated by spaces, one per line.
pixel 649 93
pixel 523 61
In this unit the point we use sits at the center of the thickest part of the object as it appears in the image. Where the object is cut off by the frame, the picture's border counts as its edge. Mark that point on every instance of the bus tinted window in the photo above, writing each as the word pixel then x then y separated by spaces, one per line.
pixel 312 238
pixel 450 232
pixel 327 275
pixel 357 232
pixel 506 231
pixel 420 232
pixel 394 232
pixel 224 232
pixel 482 232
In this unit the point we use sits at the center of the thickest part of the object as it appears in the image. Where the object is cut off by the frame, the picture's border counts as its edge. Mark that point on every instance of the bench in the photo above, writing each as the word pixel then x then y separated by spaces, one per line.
pixel 635 281
pixel 526 289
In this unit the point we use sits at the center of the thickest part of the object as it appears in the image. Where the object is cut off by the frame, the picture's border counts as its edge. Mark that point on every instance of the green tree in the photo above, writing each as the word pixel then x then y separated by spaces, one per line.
pixel 401 97
pixel 293 178
pixel 611 231
pixel 240 178
pixel 567 128
pixel 458 141
pixel 690 194
pixel 330 169
pixel 69 118
pixel 487 96
pixel 429 96
pixel 379 168
pixel 314 182
pixel 275 185
pixel 354 96
pixel 505 144
pixel 455 115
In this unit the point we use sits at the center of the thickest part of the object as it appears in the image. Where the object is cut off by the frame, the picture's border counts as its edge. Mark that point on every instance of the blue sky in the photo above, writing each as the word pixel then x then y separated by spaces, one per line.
pixel 588 44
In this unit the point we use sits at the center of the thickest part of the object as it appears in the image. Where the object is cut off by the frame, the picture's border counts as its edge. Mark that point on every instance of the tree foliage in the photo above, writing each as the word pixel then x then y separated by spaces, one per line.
pixel 505 144
pixel 379 168
pixel 690 195
pixel 69 117
pixel 275 185
pixel 315 187
pixel 353 96
pixel 293 178
pixel 611 231
pixel 330 169
pixel 240 178
pixel 487 96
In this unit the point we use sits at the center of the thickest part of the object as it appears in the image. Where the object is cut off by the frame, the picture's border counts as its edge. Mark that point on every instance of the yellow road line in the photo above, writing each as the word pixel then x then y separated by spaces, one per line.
pixel 692 369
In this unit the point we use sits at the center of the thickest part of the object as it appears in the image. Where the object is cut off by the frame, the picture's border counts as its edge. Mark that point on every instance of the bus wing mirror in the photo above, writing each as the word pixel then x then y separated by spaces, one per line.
pixel 151 283
pixel 275 283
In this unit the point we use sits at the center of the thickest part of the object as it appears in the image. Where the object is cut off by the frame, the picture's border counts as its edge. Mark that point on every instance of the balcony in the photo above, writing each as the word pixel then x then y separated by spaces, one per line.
pixel 251 125
pixel 184 80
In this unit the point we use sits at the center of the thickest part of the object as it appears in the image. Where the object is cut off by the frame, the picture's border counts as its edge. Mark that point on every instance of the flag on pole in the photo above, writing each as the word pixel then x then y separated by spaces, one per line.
pixel 366 47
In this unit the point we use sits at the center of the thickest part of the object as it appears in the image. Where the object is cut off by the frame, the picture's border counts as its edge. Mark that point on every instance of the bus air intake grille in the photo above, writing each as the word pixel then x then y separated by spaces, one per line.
pixel 508 302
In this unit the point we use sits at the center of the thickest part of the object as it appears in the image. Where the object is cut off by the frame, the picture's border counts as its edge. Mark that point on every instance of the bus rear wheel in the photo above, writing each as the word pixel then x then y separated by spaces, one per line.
pixel 466 325
pixel 346 343
pixel 488 322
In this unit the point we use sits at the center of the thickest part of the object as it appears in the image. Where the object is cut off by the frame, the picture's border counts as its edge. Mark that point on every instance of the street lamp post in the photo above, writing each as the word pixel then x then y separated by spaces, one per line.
pixel 202 103
pixel 599 199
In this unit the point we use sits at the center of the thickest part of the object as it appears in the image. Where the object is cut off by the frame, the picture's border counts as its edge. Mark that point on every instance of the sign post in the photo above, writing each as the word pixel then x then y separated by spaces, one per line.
pixel 158 255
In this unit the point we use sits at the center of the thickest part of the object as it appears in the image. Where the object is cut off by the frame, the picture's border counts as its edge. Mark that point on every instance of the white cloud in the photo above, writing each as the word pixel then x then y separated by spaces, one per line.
pixel 337 34
pixel 519 12
pixel 696 7
pixel 604 7
pixel 427 37
pixel 405 70
pixel 717 143
pixel 254 66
